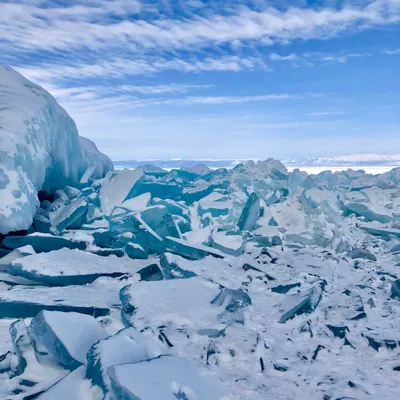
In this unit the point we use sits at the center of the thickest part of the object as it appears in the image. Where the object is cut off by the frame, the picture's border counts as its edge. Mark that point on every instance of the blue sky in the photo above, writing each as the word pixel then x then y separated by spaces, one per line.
pixel 216 79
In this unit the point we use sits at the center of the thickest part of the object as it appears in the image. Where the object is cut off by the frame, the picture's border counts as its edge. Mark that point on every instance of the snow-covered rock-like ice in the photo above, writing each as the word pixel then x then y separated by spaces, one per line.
pixel 40 149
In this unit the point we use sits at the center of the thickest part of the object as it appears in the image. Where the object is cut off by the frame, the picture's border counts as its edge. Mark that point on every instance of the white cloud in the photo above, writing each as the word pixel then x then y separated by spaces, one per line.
pixel 51 28
pixel 120 67
pixel 391 52
pixel 325 113
pixel 289 57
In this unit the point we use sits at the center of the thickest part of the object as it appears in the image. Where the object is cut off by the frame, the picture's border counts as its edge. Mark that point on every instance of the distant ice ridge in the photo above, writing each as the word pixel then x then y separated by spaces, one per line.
pixel 40 149
pixel 349 160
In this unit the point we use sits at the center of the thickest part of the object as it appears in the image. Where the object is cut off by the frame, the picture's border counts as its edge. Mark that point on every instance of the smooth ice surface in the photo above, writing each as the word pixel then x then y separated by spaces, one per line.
pixel 66 337
pixel 116 189
pixel 39 149
pixel 167 378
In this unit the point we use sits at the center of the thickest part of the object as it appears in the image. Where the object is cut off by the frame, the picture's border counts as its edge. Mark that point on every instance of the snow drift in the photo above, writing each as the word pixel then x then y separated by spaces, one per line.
pixel 40 149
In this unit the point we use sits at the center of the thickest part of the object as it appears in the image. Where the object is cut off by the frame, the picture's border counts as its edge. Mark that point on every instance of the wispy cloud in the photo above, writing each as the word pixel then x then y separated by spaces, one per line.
pixel 314 57
pixel 52 28
pixel 391 52
pixel 120 67
pixel 325 113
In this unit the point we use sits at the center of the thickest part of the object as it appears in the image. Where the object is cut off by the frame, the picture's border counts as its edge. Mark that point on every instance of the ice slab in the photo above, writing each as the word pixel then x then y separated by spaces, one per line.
pixel 160 221
pixel 116 189
pixel 381 231
pixel 173 207
pixel 42 242
pixel 137 203
pixel 363 210
pixel 69 215
pixel 95 299
pixel 216 204
pixel 64 338
pixel 192 304
pixel 71 387
pixel 395 289
pixel 190 250
pixel 73 267
pixel 363 254
pixel 159 189
pixel 228 242
pixel 13 255
pixel 250 213
pixel 127 346
pixel 135 251
pixel 303 303
pixel 167 378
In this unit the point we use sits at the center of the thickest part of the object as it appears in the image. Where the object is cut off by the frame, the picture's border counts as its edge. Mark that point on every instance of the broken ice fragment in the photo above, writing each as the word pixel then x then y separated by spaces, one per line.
pixel 362 210
pixel 22 345
pixel 190 250
pixel 94 299
pixel 70 214
pixel 42 242
pixel 165 377
pixel 250 213
pixel 303 303
pixel 72 267
pixel 181 304
pixel 13 255
pixel 362 253
pixel 171 270
pixel 64 338
pixel 116 189
pixel 127 346
pixel 134 250
pixel 283 289
pixel 395 290
pixel 228 242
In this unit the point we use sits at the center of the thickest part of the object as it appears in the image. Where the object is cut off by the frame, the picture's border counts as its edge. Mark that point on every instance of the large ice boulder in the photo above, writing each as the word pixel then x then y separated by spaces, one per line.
pixel 40 149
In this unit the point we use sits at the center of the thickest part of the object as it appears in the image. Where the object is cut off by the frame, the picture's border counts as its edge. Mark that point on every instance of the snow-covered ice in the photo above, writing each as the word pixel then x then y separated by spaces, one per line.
pixel 40 149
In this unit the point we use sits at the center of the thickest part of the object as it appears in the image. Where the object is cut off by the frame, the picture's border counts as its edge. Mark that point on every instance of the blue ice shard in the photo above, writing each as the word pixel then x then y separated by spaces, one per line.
pixel 42 242
pixel 70 215
pixel 64 338
pixel 250 213
pixel 303 303
pixel 190 250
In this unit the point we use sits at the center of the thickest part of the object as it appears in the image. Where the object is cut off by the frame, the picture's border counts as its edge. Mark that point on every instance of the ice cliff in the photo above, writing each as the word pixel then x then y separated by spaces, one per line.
pixel 40 149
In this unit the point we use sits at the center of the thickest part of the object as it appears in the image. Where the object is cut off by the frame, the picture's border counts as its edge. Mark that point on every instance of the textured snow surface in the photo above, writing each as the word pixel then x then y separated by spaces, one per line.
pixel 40 149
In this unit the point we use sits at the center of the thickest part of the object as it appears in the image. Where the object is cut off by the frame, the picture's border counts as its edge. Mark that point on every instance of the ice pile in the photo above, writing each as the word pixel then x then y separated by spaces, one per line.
pixel 248 283
pixel 40 150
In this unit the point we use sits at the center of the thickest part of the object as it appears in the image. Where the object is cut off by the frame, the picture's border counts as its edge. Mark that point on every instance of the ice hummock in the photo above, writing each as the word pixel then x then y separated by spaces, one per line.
pixel 40 150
